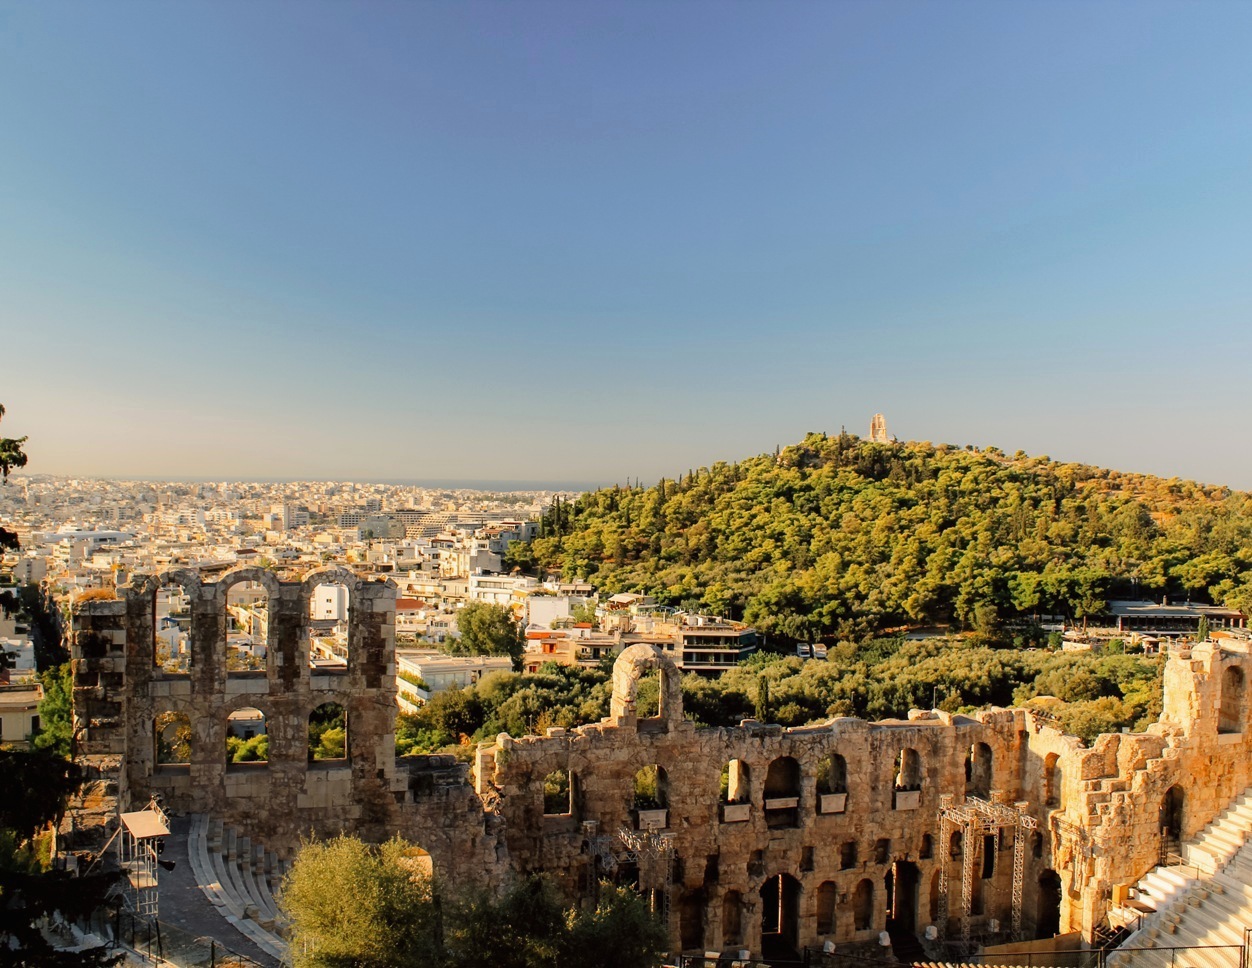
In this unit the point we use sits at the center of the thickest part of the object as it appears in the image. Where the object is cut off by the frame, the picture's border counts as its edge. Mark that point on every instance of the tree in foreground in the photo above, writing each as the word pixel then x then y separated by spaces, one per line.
pixel 37 785
pixel 351 903
pixel 488 630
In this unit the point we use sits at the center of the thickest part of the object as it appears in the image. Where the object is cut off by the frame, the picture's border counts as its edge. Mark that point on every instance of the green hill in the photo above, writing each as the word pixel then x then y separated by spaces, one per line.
pixel 836 536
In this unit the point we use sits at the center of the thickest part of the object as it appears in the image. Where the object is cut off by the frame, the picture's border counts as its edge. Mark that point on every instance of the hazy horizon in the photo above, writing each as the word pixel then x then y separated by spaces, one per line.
pixel 505 484
pixel 559 241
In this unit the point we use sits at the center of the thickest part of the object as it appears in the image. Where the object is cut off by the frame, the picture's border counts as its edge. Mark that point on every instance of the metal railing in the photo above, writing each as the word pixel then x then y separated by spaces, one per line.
pixel 1178 956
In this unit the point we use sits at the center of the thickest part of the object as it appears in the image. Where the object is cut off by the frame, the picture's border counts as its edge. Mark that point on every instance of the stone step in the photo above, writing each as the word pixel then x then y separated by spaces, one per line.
pixel 222 883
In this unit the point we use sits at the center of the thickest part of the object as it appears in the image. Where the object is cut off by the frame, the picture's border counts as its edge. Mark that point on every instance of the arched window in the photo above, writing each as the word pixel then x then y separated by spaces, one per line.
pixel 651 798
pixel 330 612
pixel 782 793
pixel 863 906
pixel 882 850
pixel 907 784
pixel 1233 713
pixel 558 794
pixel 908 770
pixel 955 845
pixel 246 738
pixel 832 784
pixel 328 733
pixel 832 774
pixel 1052 786
pixel 247 626
pixel 171 628
pixel 732 918
pixel 172 733
pixel 927 849
pixel 827 895
pixel 978 771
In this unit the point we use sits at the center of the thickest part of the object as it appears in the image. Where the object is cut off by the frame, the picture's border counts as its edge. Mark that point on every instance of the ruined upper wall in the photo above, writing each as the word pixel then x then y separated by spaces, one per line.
pixel 121 693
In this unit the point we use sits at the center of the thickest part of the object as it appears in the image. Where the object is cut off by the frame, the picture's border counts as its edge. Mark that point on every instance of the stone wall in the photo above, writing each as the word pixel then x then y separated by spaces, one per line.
pixel 819 844
pixel 121 692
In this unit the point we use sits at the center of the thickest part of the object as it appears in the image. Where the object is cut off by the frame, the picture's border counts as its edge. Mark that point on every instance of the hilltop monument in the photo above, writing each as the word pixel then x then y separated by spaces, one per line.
pixel 878 430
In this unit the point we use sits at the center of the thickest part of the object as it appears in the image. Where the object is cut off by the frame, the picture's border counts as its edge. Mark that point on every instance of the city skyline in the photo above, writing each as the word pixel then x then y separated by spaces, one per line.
pixel 555 243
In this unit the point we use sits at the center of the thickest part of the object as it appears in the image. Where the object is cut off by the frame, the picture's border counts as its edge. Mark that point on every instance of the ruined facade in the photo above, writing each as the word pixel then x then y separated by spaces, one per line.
pixel 830 832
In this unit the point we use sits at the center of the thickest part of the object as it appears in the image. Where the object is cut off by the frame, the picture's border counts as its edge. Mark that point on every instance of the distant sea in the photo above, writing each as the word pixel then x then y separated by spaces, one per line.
pixel 504 485
pixel 447 484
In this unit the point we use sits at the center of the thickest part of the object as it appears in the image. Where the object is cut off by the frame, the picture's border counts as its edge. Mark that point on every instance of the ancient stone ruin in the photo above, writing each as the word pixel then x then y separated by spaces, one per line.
pixel 990 825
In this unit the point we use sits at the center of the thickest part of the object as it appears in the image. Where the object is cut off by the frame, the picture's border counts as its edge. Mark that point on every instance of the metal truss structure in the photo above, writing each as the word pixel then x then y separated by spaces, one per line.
pixel 976 819
pixel 652 853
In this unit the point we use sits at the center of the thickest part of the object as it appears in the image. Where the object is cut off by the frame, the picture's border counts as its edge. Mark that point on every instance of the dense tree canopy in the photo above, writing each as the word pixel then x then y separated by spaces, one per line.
pixel 836 536
pixel 878 679
pixel 355 904
pixel 487 629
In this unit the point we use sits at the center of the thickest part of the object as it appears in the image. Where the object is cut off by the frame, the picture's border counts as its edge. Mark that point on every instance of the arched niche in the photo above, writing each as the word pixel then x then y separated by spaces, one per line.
pixel 863 905
pixel 1232 713
pixel 827 896
pixel 732 918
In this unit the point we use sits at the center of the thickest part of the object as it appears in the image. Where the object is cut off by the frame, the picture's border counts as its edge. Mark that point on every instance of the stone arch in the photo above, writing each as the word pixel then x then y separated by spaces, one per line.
pixel 187 577
pixel 333 577
pixel 172 640
pixel 262 576
pixel 1233 709
pixel 1048 910
pixel 908 770
pixel 782 793
pixel 1172 815
pixel 632 665
pixel 269 582
pixel 780 915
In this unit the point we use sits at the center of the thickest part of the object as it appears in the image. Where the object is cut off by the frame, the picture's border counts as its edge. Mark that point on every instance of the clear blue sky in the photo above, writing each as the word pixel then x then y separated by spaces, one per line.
pixel 592 241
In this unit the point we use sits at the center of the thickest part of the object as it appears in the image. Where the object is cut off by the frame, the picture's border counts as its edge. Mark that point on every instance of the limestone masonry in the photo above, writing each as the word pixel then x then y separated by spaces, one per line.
pixel 829 832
